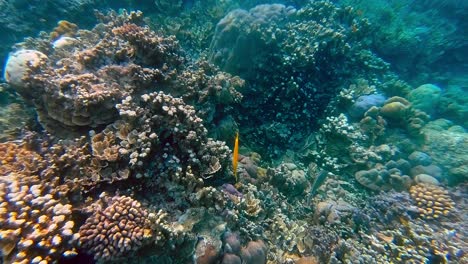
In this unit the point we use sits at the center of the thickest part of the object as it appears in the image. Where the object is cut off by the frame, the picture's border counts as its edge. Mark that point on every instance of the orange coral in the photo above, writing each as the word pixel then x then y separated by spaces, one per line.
pixel 63 28
pixel 19 159
pixel 433 201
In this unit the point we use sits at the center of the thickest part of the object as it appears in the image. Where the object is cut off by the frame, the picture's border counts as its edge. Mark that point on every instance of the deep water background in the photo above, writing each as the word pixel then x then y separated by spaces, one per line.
pixel 425 41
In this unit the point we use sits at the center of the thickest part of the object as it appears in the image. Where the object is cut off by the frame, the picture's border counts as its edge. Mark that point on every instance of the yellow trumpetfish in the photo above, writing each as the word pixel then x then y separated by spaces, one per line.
pixel 235 155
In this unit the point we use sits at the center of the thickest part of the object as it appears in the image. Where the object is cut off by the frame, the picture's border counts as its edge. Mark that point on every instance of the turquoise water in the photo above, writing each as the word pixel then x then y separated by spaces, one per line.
pixel 233 132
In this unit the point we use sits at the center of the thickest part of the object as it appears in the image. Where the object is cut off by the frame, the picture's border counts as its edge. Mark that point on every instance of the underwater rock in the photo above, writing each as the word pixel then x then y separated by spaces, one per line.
pixel 231 259
pixel 233 48
pixel 424 178
pixel 448 149
pixel 289 179
pixel 206 253
pixel 453 104
pixel 254 253
pixel 419 158
pixel 231 242
pixel 425 98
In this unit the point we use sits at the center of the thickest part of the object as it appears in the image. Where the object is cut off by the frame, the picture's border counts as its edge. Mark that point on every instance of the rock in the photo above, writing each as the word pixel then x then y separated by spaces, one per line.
pixel 428 179
pixel 419 158
pixel 433 170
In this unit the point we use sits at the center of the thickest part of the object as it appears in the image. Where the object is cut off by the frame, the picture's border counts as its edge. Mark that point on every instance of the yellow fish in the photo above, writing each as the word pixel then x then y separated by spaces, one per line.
pixel 235 155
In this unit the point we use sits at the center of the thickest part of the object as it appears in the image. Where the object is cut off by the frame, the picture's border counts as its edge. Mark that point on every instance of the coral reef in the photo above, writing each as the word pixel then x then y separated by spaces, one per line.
pixel 340 160
pixel 417 23
pixel 300 49
pixel 107 64
pixel 80 88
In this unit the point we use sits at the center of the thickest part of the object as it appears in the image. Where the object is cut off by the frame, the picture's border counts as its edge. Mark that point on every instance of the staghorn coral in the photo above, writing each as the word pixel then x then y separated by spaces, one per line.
pixel 433 201
pixel 116 227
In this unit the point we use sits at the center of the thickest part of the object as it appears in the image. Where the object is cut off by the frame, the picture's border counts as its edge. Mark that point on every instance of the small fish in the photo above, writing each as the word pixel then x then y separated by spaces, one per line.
pixel 235 156
pixel 321 176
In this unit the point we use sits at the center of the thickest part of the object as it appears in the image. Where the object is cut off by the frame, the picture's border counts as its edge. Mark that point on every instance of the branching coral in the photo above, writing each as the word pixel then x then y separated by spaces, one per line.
pixel 171 128
pixel 115 228
pixel 35 211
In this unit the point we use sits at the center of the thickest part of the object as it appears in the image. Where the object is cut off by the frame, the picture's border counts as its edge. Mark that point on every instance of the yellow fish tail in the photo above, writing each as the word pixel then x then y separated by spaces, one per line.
pixel 235 156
